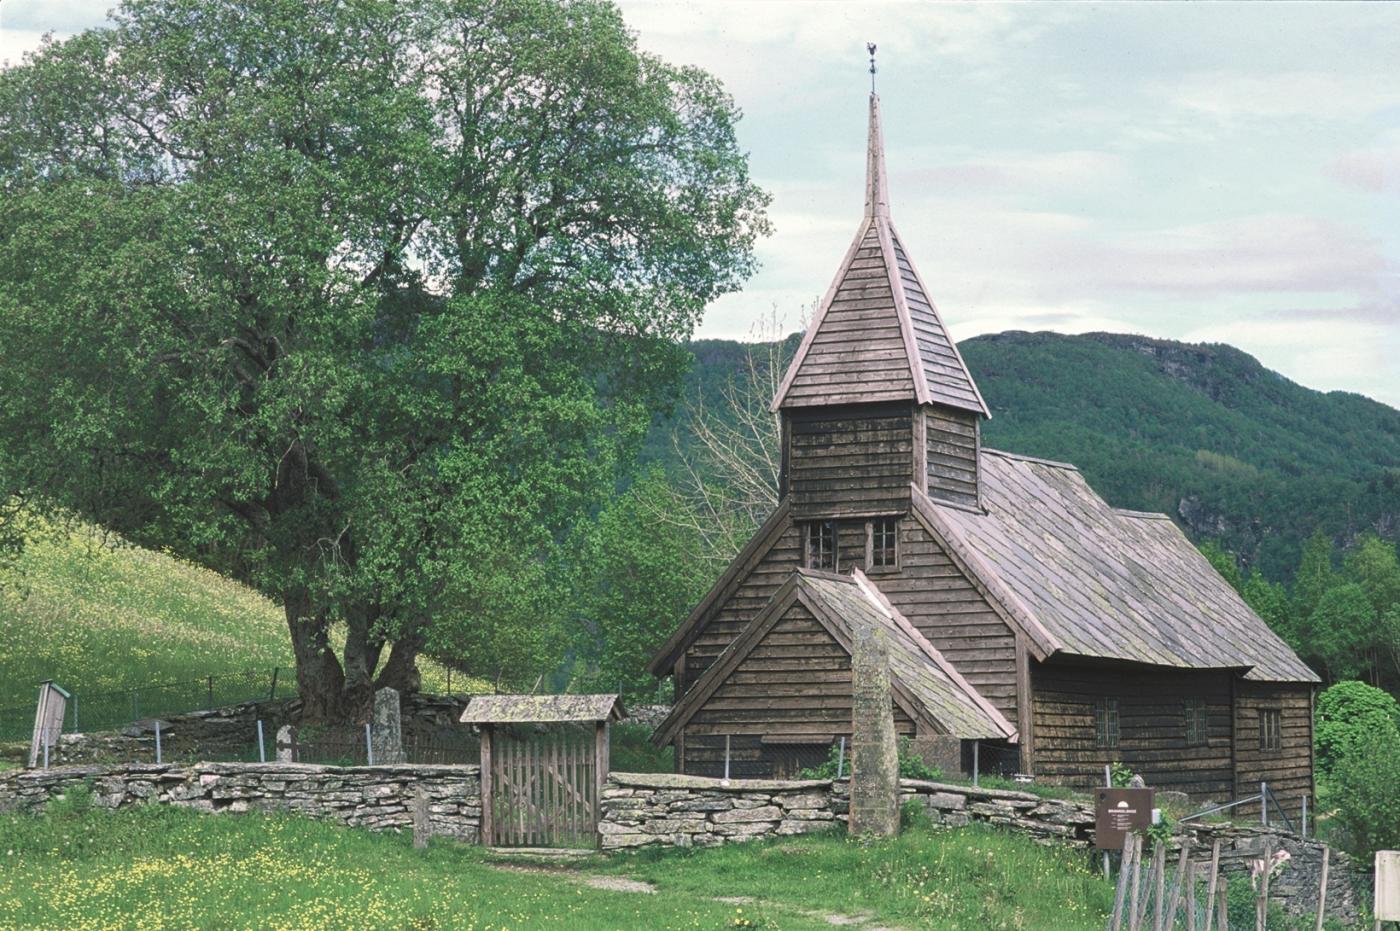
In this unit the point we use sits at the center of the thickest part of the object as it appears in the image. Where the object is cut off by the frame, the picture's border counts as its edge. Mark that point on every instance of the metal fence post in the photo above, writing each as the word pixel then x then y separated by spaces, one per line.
pixel 369 745
pixel 1305 817
pixel 726 757
pixel 158 759
pixel 841 759
pixel 1264 803
pixel 262 748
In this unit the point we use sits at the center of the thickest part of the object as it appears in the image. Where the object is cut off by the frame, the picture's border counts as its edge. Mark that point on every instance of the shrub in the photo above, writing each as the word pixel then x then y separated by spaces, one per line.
pixel 1366 791
pixel 911 765
pixel 1348 712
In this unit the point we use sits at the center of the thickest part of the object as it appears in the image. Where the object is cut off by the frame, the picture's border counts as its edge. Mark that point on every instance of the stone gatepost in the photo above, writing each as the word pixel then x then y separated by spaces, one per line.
pixel 874 753
pixel 386 730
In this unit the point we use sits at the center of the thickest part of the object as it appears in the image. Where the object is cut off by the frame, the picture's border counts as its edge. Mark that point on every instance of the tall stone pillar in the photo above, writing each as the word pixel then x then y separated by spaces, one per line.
pixel 874 752
pixel 386 729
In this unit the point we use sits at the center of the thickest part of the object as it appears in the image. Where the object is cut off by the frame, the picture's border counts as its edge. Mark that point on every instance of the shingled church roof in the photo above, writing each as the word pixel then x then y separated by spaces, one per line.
pixel 876 335
pixel 1095 581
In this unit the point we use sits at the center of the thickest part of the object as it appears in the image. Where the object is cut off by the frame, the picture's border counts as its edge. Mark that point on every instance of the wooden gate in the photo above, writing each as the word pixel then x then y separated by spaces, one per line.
pixel 541 786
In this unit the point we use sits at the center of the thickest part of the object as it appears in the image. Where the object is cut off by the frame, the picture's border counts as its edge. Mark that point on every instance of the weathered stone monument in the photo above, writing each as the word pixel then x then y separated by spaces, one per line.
pixel 874 754
pixel 422 827
pixel 386 728
pixel 286 751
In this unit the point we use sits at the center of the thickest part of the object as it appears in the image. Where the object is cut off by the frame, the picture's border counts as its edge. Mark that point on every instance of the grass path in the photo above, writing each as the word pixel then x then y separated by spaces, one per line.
pixel 157 867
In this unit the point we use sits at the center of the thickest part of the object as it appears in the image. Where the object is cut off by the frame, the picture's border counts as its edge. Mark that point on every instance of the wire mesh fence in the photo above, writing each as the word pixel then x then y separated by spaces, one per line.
pixel 109 710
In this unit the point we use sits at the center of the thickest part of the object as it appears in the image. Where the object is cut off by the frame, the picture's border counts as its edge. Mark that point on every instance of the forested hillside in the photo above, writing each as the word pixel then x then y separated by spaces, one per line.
pixel 1232 450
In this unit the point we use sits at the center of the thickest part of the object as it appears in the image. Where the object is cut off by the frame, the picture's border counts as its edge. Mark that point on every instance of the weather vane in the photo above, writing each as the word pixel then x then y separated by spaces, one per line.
pixel 870 47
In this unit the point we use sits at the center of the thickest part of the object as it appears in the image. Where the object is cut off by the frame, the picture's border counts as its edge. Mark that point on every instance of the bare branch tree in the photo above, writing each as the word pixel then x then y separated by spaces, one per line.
pixel 730 453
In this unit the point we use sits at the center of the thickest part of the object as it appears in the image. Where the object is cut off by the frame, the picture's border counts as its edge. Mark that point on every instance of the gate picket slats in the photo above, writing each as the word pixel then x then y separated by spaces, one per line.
pixel 544 788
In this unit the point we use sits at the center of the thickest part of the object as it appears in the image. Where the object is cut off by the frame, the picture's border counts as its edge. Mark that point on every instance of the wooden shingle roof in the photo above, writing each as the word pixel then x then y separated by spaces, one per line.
pixel 1101 582
pixel 926 686
pixel 876 335
pixel 542 709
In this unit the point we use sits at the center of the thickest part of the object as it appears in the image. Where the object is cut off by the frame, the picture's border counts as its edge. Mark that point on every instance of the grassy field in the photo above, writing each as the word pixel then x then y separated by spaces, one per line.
pixel 97 615
pixel 156 867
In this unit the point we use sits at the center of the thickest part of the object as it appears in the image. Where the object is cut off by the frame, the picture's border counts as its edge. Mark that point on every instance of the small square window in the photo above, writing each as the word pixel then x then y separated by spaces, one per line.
pixel 1196 732
pixel 1270 730
pixel 1106 732
pixel 821 545
pixel 882 538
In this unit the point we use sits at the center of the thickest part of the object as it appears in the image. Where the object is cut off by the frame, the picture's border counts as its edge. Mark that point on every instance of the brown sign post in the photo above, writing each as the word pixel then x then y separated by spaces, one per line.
pixel 1118 812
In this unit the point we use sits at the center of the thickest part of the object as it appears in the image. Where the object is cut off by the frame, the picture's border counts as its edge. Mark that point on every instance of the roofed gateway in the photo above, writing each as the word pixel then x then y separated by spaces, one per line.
pixel 1024 613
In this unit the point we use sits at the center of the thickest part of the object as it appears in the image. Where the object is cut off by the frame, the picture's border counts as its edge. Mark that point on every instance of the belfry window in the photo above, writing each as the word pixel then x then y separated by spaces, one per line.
pixel 882 544
pixel 821 545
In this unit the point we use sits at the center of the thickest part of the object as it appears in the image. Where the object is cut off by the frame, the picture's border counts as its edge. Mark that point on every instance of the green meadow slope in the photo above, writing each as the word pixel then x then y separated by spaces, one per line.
pixel 97 614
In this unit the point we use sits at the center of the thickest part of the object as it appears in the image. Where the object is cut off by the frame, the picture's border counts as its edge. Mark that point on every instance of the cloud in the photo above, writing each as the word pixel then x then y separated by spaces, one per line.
pixel 1374 171
pixel 1233 95
pixel 60 16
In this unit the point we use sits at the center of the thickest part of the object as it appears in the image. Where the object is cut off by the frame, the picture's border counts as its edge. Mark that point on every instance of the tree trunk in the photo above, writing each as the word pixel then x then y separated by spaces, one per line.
pixel 401 670
pixel 361 656
pixel 320 679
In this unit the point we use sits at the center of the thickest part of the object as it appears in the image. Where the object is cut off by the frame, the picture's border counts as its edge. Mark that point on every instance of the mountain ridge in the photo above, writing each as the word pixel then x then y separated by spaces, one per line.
pixel 1204 432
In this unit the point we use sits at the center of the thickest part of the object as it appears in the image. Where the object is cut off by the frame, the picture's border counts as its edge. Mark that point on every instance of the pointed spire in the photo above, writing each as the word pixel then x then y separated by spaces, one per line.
pixel 877 193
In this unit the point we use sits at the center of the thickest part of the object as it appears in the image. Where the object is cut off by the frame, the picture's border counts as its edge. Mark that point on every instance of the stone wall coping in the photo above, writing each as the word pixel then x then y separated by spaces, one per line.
pixel 923 785
pixel 156 770
pixel 711 784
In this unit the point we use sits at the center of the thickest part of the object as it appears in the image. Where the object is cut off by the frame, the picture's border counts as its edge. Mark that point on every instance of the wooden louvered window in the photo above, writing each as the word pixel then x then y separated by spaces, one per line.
pixel 1106 723
pixel 821 545
pixel 882 544
pixel 1270 730
pixel 1196 735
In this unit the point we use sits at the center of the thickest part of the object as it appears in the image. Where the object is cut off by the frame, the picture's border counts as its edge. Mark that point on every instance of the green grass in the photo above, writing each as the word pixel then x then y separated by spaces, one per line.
pixel 960 880
pixel 167 868
pixel 97 614
pixel 75 867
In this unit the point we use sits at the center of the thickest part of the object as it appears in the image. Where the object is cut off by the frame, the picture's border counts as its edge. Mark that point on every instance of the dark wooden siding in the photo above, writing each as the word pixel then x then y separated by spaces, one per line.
pixel 947 609
pixel 755 587
pixel 851 461
pixel 952 455
pixel 1288 770
pixel 858 353
pixel 1151 722
pixel 794 684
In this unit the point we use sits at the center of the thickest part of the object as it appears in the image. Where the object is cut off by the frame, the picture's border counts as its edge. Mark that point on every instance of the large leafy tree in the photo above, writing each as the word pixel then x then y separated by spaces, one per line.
pixel 365 301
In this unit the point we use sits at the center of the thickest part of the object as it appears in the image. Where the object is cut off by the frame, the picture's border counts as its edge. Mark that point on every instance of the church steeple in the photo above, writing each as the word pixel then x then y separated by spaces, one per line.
pixel 878 397
pixel 876 335
pixel 877 191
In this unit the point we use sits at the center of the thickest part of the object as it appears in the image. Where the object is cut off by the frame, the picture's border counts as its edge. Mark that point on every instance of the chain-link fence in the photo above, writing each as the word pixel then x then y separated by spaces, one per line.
pixel 110 710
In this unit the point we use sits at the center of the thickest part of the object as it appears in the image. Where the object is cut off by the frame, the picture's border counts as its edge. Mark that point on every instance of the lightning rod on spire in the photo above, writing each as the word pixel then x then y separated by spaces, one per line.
pixel 870 47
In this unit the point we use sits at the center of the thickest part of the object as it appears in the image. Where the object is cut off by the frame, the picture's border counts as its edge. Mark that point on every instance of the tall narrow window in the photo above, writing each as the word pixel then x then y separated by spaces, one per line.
pixel 1195 722
pixel 882 539
pixel 1270 730
pixel 1106 723
pixel 821 545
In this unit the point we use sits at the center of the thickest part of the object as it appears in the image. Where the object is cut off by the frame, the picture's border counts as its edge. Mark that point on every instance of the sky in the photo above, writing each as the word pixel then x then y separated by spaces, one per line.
pixel 1212 172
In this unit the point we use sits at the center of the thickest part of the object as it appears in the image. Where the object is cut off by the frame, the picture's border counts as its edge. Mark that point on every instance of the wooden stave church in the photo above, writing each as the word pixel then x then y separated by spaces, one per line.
pixel 1024 613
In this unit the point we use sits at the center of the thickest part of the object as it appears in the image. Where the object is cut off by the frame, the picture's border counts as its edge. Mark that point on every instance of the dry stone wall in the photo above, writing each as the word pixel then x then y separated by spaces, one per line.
pixel 641 810
pixel 374 797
